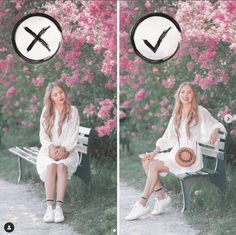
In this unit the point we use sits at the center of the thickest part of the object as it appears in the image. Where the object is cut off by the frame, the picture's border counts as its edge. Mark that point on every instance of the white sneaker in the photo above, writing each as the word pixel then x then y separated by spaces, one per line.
pixel 58 215
pixel 137 211
pixel 160 205
pixel 49 216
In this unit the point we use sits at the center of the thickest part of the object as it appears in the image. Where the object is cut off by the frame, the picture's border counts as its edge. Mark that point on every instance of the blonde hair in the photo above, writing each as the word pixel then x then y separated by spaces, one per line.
pixel 177 112
pixel 49 113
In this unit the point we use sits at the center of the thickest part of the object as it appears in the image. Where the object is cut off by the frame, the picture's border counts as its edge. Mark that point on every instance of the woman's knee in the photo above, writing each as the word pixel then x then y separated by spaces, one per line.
pixel 52 167
pixel 61 168
pixel 154 166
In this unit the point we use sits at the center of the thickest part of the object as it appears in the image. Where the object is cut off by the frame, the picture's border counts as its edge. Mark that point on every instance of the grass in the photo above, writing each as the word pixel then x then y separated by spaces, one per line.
pixel 89 213
pixel 212 211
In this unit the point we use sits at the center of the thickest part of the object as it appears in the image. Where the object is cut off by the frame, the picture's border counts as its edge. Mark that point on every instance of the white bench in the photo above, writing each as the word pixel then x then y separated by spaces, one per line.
pixel 215 174
pixel 30 155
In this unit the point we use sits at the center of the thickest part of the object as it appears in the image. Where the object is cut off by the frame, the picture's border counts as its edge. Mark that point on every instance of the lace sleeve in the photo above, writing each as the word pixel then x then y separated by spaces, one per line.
pixel 169 138
pixel 73 131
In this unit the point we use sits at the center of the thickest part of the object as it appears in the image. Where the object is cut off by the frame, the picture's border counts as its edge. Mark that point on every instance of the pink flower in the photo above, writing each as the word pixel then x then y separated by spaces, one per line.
pixel 164 102
pixel 125 105
pixel 122 115
pixel 141 94
pixel 12 78
pixel 72 81
pixel 197 79
pixel 190 66
pixel 203 98
pixel 142 80
pixel 57 66
pixel 111 123
pixel 148 4
pixel 90 110
pixel 222 113
pixel 169 83
pixel 104 111
pixel 11 92
pixel 38 82
pixel 103 131
pixel 110 85
pixel 88 77
pixel 106 102
pixel 170 107
pixel 33 99
pixel 164 112
pixel 233 132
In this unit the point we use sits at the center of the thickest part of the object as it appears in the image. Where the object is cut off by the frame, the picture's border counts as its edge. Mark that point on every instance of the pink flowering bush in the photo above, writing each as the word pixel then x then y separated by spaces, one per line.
pixel 86 64
pixel 206 58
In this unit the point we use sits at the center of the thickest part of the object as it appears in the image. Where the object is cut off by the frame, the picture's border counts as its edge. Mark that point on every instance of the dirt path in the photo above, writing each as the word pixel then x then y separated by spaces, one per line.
pixel 170 223
pixel 22 207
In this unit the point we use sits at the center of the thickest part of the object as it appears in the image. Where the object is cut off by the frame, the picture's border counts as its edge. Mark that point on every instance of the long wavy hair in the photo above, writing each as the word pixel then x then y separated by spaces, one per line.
pixel 193 112
pixel 49 113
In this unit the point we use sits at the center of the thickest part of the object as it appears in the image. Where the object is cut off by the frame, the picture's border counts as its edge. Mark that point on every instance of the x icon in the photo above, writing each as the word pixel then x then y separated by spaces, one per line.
pixel 37 38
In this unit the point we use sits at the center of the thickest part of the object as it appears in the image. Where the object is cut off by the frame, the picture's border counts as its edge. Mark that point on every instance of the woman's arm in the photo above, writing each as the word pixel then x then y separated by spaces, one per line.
pixel 169 138
pixel 210 127
pixel 43 137
pixel 72 136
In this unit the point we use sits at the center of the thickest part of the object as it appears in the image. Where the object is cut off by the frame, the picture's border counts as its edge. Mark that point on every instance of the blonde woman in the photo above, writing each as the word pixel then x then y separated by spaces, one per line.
pixel 58 157
pixel 190 123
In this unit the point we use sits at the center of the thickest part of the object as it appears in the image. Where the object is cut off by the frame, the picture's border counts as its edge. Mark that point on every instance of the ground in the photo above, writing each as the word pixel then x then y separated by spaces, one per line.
pixel 170 223
pixel 21 206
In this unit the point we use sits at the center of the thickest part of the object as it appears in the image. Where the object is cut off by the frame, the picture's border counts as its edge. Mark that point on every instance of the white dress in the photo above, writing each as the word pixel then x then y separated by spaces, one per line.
pixel 199 133
pixel 68 139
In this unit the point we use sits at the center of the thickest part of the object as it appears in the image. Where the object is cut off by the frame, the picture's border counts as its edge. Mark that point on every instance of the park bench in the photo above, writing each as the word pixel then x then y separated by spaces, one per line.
pixel 214 172
pixel 30 154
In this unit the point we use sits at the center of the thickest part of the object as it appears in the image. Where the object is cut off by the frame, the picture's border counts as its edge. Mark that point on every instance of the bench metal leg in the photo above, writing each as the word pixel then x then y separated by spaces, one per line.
pixel 19 170
pixel 186 188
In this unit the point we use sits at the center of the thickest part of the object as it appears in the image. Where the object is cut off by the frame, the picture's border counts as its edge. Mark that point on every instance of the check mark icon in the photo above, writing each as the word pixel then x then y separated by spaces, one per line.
pixel 154 49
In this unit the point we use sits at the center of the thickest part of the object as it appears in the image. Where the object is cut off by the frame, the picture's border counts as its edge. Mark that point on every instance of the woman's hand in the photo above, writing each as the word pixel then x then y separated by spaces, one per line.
pixel 151 155
pixel 53 151
pixel 62 153
pixel 214 136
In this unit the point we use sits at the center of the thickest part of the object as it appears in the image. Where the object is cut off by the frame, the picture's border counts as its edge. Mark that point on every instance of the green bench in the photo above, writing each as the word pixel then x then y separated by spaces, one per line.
pixel 215 174
pixel 30 154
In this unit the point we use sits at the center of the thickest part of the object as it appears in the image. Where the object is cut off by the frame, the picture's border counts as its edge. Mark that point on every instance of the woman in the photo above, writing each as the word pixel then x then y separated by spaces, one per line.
pixel 189 124
pixel 58 157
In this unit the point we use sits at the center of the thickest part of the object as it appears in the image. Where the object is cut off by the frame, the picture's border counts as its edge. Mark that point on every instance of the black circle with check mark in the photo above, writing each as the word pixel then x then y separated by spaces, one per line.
pixel 37 37
pixel 156 37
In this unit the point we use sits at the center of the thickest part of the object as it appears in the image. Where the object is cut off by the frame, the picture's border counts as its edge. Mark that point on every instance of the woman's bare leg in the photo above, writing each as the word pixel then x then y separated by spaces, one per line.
pixel 153 179
pixel 61 182
pixel 50 182
pixel 160 193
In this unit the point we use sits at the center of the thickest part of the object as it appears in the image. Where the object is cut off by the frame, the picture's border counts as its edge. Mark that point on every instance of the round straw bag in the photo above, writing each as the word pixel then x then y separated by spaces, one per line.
pixel 185 157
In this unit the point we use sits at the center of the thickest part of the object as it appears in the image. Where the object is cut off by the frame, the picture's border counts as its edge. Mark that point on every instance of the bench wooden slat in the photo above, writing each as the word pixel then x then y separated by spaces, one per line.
pixel 84 130
pixel 209 152
pixel 83 139
pixel 34 153
pixel 82 148
pixel 23 155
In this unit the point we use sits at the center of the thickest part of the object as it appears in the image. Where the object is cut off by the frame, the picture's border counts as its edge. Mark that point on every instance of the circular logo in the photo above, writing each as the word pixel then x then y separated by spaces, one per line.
pixel 156 37
pixel 9 227
pixel 37 37
pixel 228 118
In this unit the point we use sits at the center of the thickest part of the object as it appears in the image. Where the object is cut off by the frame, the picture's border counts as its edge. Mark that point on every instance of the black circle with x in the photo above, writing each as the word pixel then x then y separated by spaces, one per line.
pixel 37 38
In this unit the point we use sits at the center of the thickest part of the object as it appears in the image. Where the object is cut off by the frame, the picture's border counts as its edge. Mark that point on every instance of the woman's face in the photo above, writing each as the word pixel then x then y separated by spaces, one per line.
pixel 186 95
pixel 58 95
